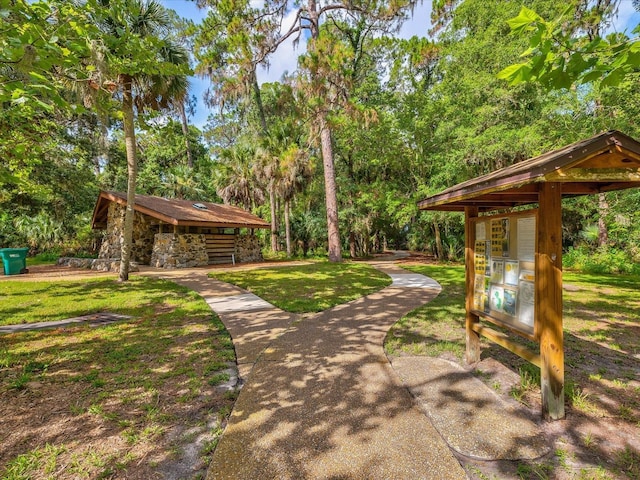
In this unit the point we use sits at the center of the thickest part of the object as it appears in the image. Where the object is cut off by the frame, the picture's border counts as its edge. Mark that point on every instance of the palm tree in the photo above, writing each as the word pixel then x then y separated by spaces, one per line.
pixel 235 179
pixel 268 173
pixel 135 58
pixel 296 172
pixel 42 232
pixel 181 182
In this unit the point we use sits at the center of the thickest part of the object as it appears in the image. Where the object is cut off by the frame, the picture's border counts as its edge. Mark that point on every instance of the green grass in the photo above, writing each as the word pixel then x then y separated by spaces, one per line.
pixel 437 327
pixel 45 258
pixel 125 380
pixel 309 288
pixel 29 302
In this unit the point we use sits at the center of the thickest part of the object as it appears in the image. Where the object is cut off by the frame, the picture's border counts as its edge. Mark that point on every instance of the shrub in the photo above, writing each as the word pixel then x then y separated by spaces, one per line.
pixel 602 260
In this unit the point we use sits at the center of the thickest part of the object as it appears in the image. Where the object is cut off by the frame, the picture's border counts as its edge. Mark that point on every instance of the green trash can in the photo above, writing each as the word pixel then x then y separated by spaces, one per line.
pixel 14 260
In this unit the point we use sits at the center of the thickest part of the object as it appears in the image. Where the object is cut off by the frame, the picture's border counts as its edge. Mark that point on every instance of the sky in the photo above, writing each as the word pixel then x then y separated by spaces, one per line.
pixel 286 57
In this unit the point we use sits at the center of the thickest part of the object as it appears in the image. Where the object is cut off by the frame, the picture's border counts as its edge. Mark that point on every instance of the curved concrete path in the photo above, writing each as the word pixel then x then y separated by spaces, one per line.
pixel 321 400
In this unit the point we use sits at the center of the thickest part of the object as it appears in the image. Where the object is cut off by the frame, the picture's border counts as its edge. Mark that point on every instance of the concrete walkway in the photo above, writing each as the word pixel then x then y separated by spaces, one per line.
pixel 94 320
pixel 321 400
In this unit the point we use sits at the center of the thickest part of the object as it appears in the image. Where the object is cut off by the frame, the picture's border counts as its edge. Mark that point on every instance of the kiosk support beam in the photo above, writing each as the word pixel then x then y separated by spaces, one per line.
pixel 472 320
pixel 548 306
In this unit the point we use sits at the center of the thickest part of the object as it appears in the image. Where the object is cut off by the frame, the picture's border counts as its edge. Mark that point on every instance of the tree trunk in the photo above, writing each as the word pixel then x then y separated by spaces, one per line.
pixel 352 245
pixel 258 98
pixel 603 210
pixel 185 131
pixel 274 222
pixel 287 225
pixel 331 197
pixel 132 171
pixel 353 250
pixel 439 249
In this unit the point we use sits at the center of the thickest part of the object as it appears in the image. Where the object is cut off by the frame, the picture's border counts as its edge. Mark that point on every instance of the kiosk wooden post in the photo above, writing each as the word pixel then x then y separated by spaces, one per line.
pixel 548 305
pixel 472 320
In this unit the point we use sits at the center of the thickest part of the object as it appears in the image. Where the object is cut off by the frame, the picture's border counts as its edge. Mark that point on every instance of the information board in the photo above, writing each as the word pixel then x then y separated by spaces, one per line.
pixel 504 264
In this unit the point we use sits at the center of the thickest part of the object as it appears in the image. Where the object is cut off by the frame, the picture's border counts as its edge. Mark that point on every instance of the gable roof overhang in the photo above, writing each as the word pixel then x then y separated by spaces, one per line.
pixel 178 212
pixel 606 162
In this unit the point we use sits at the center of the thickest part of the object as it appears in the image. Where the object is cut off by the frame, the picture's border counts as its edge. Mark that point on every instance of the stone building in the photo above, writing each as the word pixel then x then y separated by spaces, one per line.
pixel 172 233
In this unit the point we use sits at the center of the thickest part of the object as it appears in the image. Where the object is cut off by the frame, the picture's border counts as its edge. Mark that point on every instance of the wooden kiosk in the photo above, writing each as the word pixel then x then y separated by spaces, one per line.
pixel 513 254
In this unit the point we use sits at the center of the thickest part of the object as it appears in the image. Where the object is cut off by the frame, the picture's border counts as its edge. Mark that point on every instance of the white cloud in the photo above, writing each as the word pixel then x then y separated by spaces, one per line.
pixel 626 19
pixel 285 58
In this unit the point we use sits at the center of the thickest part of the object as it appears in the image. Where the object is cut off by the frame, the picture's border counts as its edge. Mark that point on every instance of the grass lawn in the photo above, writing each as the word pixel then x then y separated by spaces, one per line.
pixel 309 288
pixel 46 301
pixel 602 348
pixel 126 400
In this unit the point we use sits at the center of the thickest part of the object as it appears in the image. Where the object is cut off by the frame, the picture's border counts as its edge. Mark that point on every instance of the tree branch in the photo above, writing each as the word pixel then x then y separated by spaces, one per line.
pixel 296 27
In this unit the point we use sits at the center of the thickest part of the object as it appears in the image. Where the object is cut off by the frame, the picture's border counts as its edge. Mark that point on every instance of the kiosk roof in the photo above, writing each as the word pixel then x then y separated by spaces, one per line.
pixel 606 162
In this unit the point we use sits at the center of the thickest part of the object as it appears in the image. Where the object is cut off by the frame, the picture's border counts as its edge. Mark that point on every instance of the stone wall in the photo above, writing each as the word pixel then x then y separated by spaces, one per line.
pixel 142 244
pixel 172 250
pixel 248 249
pixel 100 264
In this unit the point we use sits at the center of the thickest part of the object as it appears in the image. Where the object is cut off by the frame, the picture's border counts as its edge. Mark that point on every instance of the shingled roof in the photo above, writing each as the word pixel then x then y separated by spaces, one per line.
pixel 179 212
pixel 606 162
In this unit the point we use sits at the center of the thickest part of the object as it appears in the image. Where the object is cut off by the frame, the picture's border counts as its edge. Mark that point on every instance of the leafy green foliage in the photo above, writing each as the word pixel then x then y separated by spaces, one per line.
pixel 408 118
pixel 42 45
pixel 558 58
pixel 163 164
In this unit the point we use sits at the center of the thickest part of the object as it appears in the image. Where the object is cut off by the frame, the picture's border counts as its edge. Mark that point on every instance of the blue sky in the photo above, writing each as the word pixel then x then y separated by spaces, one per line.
pixel 285 58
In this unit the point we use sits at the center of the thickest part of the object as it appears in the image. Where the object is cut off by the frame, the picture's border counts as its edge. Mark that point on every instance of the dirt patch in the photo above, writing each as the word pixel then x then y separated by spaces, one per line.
pixel 74 438
pixel 417 258
pixel 55 272
pixel 592 442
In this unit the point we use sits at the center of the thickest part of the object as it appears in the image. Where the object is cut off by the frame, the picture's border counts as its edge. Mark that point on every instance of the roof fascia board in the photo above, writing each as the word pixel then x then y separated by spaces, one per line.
pixel 594 175
pixel 220 225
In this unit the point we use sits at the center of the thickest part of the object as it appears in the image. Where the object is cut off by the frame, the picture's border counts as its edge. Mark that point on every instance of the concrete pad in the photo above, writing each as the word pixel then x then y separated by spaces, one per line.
pixel 346 418
pixel 94 320
pixel 243 302
pixel 413 280
pixel 472 419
